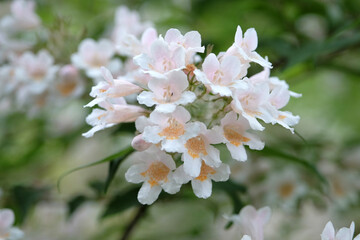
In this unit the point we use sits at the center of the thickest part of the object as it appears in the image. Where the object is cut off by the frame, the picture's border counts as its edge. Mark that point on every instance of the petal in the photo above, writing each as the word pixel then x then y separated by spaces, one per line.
pixel 148 194
pixel 186 97
pixel 193 40
pixel 213 156
pixel 251 39
pixel 191 165
pixel 211 64
pixel 171 186
pixel 172 145
pixel 151 134
pixel 222 173
pixel 133 174
pixel 237 152
pixel 238 36
pixel 180 176
pixel 173 35
pixel 223 91
pixel 202 189
pixel 177 80
pixel 254 143
pixel 231 66
pixel 165 108
pixel 146 98
pixel 264 215
pixel 7 218
pixel 328 232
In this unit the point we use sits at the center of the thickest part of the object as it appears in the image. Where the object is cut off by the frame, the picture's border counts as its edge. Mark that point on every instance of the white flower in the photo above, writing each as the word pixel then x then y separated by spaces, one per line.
pixel 190 42
pixel 113 112
pixel 343 234
pixel 161 59
pixel 251 221
pixel 155 169
pixel 7 232
pixel 69 83
pixel 233 132
pixel 167 93
pixel 252 102
pixel 244 48
pixel 92 55
pixel 220 77
pixel 169 129
pixel 202 184
pixel 197 148
pixel 23 17
pixel 111 88
pixel 37 72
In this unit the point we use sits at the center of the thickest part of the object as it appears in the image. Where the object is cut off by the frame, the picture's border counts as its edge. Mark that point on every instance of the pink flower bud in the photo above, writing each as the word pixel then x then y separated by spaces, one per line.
pixel 139 144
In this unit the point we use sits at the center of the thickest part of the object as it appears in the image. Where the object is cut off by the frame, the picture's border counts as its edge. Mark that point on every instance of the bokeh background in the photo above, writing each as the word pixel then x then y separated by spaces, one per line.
pixel 307 178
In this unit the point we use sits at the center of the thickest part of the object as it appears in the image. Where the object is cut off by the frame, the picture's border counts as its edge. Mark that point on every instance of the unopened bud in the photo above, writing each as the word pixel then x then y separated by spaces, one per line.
pixel 139 144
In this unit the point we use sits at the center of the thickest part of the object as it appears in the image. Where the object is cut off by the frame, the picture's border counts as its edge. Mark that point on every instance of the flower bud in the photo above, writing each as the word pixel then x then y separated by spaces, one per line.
pixel 139 144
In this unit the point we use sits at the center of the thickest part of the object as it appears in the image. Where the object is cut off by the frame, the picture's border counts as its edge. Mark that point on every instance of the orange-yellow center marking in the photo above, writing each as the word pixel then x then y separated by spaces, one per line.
pixel 173 131
pixel 156 172
pixel 233 136
pixel 204 172
pixel 196 146
pixel 286 190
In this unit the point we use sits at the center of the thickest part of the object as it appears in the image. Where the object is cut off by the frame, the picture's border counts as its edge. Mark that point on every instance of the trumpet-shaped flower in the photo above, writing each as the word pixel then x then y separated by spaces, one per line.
pixel 92 55
pixel 37 72
pixel 111 88
pixel 197 148
pixel 114 112
pixel 251 221
pixel 169 129
pixel 69 83
pixel 233 132
pixel 167 93
pixel 155 169
pixel 343 234
pixel 161 59
pixel 220 77
pixel 23 17
pixel 244 48
pixel 191 42
pixel 252 102
pixel 202 184
pixel 7 232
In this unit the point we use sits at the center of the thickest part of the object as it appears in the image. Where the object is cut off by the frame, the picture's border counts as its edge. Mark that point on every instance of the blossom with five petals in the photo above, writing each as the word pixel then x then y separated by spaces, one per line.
pixel 167 93
pixel 155 168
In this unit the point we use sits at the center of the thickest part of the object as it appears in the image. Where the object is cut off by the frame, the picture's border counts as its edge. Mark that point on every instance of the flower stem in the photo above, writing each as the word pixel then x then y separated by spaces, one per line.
pixel 140 213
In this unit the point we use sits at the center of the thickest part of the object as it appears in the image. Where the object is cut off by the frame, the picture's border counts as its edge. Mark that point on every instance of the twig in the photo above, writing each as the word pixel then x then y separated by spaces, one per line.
pixel 133 223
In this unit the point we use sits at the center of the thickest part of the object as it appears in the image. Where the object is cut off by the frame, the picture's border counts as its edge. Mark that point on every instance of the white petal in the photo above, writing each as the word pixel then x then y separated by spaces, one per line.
pixel 7 218
pixel 192 166
pixel 222 173
pixel 180 176
pixel 148 194
pixel 133 174
pixel 165 108
pixel 202 189
pixel 146 98
pixel 171 186
pixel 151 134
pixel 213 156
pixel 237 152
pixel 328 232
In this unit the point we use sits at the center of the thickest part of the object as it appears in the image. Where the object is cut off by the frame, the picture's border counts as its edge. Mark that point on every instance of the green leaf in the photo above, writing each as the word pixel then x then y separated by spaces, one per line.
pixel 113 167
pixel 75 203
pixel 122 201
pixel 124 152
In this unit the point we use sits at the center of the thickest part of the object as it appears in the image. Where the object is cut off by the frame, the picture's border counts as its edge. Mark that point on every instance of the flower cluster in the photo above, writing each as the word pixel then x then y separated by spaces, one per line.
pixel 185 104
pixel 31 80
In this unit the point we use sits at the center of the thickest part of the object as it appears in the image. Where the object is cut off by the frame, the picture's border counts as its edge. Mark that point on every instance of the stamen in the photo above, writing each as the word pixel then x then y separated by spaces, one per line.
pixel 234 136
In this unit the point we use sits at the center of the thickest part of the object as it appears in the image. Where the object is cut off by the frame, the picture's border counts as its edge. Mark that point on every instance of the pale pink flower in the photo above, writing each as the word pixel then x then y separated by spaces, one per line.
pixel 169 129
pixel 244 48
pixel 128 22
pixel 220 77
pixel 278 98
pixel 161 59
pixel 202 184
pixel 129 45
pixel 23 17
pixel 167 93
pixel 111 88
pixel 197 148
pixel 114 112
pixel 92 55
pixel 37 72
pixel 233 132
pixel 191 42
pixel 155 168
pixel 139 144
pixel 252 102
pixel 343 234
pixel 251 221
pixel 69 83
pixel 7 219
